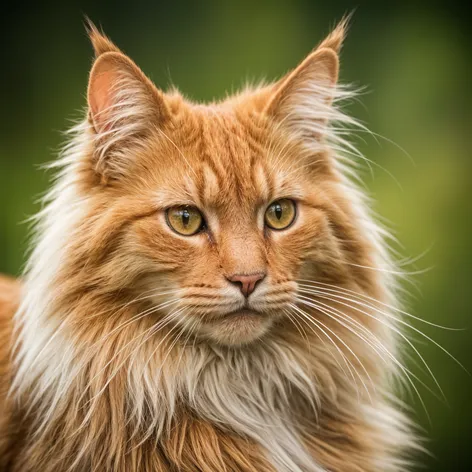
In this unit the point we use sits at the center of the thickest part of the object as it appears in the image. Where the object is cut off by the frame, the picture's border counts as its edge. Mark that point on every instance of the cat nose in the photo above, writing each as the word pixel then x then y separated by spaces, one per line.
pixel 247 283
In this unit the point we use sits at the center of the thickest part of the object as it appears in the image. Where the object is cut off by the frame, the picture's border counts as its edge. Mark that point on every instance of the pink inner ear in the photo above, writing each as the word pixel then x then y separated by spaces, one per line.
pixel 101 98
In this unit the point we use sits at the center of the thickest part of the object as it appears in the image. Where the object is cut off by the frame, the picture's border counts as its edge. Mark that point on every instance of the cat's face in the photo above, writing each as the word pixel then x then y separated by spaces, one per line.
pixel 226 207
pixel 236 216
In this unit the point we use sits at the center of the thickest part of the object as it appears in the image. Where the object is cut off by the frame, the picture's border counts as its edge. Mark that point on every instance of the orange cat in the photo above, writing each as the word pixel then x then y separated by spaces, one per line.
pixel 207 291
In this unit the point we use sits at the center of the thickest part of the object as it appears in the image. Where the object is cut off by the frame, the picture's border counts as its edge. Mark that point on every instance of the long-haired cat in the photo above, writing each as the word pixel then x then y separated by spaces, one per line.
pixel 207 291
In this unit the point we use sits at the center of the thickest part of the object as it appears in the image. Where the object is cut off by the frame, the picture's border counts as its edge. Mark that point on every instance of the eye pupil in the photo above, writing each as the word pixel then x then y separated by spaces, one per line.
pixel 278 211
pixel 185 217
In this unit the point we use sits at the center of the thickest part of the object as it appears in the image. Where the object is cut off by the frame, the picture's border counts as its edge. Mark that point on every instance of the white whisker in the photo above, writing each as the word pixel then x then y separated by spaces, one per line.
pixel 335 313
pixel 342 290
pixel 348 362
pixel 393 328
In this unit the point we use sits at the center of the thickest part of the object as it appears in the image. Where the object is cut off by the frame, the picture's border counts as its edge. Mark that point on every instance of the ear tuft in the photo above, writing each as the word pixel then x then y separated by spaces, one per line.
pixel 100 42
pixel 335 39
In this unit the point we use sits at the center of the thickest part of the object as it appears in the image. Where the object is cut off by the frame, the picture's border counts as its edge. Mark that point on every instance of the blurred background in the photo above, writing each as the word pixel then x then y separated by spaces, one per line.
pixel 416 64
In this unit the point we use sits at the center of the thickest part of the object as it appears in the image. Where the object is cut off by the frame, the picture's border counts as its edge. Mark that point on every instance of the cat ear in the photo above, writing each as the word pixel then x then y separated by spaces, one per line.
pixel 303 98
pixel 123 103
pixel 120 95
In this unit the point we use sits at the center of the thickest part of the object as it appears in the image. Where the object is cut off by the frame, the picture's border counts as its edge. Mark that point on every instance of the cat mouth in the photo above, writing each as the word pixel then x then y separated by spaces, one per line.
pixel 243 312
pixel 236 327
pixel 244 318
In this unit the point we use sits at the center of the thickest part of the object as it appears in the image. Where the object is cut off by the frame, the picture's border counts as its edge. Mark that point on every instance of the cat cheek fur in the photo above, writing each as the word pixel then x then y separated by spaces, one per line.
pixel 119 363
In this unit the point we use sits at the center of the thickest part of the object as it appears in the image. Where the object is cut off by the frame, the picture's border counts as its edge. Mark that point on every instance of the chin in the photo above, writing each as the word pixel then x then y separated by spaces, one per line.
pixel 237 328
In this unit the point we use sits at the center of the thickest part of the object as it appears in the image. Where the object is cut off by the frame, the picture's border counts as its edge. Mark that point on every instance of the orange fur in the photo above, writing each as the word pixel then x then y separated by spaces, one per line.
pixel 9 301
pixel 127 357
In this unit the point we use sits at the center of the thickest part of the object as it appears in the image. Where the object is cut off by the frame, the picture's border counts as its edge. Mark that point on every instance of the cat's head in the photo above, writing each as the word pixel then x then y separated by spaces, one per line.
pixel 216 213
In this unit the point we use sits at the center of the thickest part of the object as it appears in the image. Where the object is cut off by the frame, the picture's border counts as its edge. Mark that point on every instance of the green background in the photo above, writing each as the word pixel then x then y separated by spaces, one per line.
pixel 414 59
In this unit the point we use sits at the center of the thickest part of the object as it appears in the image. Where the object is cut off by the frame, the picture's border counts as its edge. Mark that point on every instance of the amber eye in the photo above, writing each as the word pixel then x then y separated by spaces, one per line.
pixel 185 220
pixel 280 214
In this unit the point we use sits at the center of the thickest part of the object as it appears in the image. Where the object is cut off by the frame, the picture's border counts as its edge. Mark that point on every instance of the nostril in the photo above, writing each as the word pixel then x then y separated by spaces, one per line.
pixel 247 282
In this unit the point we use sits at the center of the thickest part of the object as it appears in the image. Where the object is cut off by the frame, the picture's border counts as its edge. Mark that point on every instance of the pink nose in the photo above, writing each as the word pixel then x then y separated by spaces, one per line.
pixel 247 283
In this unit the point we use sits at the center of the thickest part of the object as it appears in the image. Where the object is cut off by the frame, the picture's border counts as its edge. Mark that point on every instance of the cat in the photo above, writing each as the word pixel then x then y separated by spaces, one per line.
pixel 207 289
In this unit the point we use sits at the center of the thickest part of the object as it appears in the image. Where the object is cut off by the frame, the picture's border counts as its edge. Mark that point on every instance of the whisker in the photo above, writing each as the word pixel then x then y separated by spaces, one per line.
pixel 355 357
pixel 150 330
pixel 299 327
pixel 342 290
pixel 137 317
pixel 408 373
pixel 396 330
pixel 399 320
pixel 348 362
pixel 137 299
pixel 311 328
pixel 401 273
pixel 58 329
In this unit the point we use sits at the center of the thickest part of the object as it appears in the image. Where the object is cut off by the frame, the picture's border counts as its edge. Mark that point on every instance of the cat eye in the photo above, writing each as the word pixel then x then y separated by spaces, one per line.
pixel 185 220
pixel 280 214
